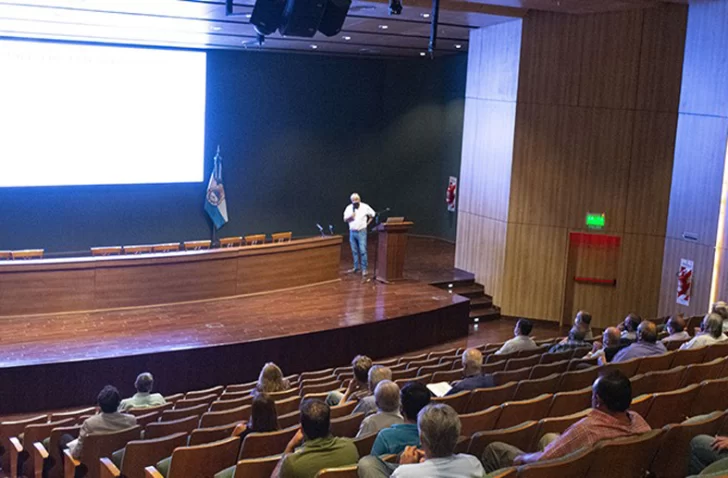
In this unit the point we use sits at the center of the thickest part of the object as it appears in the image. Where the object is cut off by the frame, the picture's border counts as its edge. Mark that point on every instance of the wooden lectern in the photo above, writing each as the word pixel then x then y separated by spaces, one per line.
pixel 391 250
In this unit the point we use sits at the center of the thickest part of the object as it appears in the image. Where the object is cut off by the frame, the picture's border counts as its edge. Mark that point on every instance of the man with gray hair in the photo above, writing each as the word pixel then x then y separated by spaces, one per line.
pixel 473 373
pixel 439 427
pixel 143 398
pixel 358 215
pixel 712 333
pixel 386 396
pixel 377 373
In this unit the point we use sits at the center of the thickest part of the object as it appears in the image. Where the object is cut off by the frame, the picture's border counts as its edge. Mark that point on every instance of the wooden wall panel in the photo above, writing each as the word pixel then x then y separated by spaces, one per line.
pixel 705 69
pixel 697 177
pixel 485 170
pixel 650 173
pixel 551 53
pixel 702 257
pixel 610 62
pixel 640 274
pixel 34 292
pixel 481 250
pixel 493 58
pixel 543 164
pixel 533 285
pixel 661 57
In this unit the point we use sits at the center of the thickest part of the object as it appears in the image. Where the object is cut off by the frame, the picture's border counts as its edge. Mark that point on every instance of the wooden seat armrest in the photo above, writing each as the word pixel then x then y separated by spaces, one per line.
pixel 69 464
pixel 151 472
pixel 40 455
pixel 108 469
pixel 390 458
pixel 16 448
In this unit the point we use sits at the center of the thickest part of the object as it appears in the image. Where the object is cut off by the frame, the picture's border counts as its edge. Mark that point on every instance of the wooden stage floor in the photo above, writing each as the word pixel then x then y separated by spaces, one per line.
pixel 199 344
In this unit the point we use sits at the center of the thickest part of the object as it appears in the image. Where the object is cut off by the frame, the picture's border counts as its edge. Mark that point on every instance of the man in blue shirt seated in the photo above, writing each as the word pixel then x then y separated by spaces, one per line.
pixel 413 397
pixel 645 346
pixel 473 373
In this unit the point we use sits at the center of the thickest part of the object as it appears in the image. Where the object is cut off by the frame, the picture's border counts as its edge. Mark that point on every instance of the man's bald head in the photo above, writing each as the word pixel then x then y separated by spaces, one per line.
pixel 472 362
pixel 611 337
pixel 386 396
pixel 647 332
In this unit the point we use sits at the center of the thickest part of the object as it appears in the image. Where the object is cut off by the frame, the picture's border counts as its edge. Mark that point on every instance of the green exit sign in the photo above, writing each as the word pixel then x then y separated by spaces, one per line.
pixel 595 221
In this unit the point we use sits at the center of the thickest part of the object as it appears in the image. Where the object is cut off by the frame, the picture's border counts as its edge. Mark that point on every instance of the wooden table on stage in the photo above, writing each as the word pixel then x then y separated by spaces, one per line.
pixel 93 283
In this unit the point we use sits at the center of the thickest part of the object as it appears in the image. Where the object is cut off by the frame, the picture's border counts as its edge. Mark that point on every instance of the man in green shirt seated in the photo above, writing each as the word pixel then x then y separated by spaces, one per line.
pixel 144 398
pixel 320 449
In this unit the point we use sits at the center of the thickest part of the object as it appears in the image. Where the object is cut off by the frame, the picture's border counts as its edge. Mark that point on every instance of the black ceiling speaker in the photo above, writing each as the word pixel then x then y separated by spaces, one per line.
pixel 301 18
pixel 334 16
pixel 266 17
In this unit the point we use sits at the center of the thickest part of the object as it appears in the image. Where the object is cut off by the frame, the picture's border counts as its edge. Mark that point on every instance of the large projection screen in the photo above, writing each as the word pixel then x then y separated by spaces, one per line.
pixel 74 114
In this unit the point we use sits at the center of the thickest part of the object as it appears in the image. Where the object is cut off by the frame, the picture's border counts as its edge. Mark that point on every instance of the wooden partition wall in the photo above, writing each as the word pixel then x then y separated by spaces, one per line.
pixel 594 130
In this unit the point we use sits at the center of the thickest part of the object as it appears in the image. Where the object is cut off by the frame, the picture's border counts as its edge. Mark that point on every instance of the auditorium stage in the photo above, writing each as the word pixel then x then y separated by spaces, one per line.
pixel 62 360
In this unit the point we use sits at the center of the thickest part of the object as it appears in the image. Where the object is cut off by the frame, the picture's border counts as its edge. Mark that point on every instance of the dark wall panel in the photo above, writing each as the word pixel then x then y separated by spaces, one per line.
pixel 298 135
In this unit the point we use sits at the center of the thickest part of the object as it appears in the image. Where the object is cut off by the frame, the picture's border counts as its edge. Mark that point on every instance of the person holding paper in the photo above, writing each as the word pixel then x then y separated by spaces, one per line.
pixel 473 372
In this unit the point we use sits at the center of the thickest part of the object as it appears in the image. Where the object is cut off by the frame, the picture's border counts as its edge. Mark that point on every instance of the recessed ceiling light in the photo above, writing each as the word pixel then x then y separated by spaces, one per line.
pixel 458 46
pixel 313 47
pixel 425 15
pixel 422 53
pixel 346 37
pixel 383 27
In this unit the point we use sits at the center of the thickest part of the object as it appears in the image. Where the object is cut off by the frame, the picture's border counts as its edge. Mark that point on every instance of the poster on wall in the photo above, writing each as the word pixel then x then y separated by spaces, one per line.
pixel 451 194
pixel 684 282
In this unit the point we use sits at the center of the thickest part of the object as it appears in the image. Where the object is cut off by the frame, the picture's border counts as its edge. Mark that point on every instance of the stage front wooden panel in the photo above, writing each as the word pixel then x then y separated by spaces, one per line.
pixel 93 283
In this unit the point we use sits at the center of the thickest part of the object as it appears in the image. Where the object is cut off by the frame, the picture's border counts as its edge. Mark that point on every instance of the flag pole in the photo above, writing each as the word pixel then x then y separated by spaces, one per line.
pixel 215 240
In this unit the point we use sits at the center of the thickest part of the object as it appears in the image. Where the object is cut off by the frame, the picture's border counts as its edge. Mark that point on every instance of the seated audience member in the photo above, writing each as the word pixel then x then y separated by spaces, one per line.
pixel 386 396
pixel 608 348
pixel 521 341
pixel 645 346
pixel 473 373
pixel 318 448
pixel 583 321
pixel 439 428
pixel 376 374
pixel 676 328
pixel 721 308
pixel 629 328
pixel 109 420
pixel 709 455
pixel 263 418
pixel 358 387
pixel 575 340
pixel 609 418
pixel 271 380
pixel 143 398
pixel 414 397
pixel 712 333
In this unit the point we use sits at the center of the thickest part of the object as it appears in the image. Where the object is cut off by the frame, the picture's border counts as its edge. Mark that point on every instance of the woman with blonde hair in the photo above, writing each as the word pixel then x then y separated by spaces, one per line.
pixel 271 379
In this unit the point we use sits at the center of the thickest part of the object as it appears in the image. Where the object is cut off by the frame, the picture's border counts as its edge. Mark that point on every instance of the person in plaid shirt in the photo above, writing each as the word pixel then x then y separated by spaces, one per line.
pixel 609 418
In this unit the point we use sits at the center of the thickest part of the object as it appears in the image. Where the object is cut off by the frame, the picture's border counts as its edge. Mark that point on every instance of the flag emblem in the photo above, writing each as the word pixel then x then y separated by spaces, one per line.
pixel 215 204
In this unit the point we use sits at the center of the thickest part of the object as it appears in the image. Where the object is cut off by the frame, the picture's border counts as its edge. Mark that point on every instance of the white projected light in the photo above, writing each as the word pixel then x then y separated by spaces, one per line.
pixel 79 115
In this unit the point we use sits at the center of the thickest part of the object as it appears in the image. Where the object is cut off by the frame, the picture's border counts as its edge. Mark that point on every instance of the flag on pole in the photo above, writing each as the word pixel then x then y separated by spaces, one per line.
pixel 215 204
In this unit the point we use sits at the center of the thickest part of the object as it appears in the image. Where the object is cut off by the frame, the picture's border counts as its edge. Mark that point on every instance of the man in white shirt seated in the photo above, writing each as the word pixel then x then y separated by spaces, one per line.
pixel 386 396
pixel 143 398
pixel 439 427
pixel 358 215
pixel 712 333
pixel 521 339
pixel 676 328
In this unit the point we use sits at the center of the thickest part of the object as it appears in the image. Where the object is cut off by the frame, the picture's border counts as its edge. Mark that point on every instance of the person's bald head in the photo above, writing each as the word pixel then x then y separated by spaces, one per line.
pixel 386 396
pixel 611 337
pixel 472 362
pixel 676 324
pixel 647 332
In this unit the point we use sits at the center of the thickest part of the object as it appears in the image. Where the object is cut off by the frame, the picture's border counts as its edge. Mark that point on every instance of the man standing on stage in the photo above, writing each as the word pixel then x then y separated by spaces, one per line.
pixel 359 215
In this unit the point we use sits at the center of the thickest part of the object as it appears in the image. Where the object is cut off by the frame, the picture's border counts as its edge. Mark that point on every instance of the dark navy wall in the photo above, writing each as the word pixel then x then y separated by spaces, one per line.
pixel 298 134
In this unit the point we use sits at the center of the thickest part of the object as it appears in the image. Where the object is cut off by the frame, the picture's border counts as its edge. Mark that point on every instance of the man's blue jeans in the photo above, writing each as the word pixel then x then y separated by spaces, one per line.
pixel 358 241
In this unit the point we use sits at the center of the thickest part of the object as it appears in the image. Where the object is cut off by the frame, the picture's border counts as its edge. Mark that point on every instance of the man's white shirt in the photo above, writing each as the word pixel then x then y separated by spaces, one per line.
pixel 361 218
